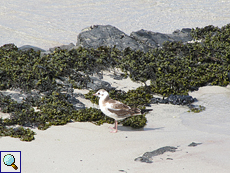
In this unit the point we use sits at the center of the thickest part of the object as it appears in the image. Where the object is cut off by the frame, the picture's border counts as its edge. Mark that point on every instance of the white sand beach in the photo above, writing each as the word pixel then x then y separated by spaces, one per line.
pixel 88 148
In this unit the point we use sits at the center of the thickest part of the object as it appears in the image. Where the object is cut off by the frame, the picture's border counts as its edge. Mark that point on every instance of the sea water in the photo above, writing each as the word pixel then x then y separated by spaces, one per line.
pixel 47 23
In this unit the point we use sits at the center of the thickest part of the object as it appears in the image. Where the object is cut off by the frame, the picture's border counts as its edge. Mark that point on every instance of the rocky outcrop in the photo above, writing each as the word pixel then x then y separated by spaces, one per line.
pixel 109 36
pixel 106 35
pixel 156 39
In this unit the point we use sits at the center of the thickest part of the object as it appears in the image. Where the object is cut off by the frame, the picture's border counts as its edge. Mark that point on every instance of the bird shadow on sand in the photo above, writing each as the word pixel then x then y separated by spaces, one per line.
pixel 125 128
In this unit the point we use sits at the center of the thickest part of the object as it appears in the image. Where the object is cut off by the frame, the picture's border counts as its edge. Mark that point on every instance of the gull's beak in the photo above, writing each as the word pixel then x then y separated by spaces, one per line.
pixel 95 94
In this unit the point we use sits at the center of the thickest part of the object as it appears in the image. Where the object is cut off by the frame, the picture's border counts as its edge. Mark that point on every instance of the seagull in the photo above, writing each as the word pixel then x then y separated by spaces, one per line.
pixel 115 109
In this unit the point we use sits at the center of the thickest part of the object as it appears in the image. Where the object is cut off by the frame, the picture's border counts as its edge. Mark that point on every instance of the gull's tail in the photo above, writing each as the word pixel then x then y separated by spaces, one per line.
pixel 145 110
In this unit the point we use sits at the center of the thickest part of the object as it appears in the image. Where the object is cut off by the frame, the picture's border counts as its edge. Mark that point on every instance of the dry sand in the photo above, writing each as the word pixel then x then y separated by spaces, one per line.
pixel 85 147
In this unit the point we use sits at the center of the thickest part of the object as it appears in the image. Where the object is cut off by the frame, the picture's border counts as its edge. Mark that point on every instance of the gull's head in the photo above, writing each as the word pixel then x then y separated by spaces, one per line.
pixel 101 93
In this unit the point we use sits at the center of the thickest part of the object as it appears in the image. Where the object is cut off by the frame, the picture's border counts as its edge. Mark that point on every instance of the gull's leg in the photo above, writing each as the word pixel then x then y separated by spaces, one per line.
pixel 115 131
pixel 114 126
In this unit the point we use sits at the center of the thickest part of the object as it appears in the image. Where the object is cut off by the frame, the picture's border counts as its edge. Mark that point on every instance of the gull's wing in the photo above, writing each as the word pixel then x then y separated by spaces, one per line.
pixel 120 106
pixel 122 109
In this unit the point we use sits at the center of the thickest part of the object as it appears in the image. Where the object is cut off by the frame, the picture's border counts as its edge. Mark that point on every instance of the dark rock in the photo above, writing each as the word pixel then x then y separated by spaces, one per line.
pixel 47 93
pixel 156 39
pixel 155 100
pixel 28 47
pixel 99 75
pixel 180 99
pixel 146 37
pixel 118 76
pixel 78 95
pixel 183 35
pixel 143 159
pixel 169 159
pixel 148 155
pixel 193 144
pixel 229 76
pixel 107 36
pixel 163 101
pixel 62 47
pixel 15 96
pixel 152 39
pixel 96 84
pixel 175 100
pixel 20 97
pixel 75 102
pixel 66 86
pixel 194 88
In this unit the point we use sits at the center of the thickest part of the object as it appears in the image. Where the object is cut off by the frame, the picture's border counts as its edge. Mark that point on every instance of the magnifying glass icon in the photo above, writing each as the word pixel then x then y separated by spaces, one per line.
pixel 9 160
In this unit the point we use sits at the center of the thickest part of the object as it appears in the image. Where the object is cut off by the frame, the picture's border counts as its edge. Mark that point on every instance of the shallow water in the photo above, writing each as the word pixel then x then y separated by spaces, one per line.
pixel 45 23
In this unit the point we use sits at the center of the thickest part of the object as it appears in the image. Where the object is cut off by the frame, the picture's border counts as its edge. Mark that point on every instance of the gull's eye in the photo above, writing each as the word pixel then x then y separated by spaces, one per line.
pixel 98 93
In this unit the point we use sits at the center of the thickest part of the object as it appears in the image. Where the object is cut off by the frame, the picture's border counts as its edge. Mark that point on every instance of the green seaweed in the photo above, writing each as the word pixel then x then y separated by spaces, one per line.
pixel 137 122
pixel 28 70
pixel 18 132
pixel 54 110
pixel 196 109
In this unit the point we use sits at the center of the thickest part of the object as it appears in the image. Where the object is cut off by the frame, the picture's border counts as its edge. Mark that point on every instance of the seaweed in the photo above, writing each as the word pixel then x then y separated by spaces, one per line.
pixel 137 122
pixel 178 68
pixel 54 110
pixel 18 132
pixel 196 109
pixel 28 70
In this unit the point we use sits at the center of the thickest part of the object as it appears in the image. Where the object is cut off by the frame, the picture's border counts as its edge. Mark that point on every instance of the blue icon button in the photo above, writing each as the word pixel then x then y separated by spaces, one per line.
pixel 9 160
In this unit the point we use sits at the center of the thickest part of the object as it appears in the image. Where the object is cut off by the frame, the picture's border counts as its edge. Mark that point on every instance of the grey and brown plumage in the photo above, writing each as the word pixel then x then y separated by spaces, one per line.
pixel 115 109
